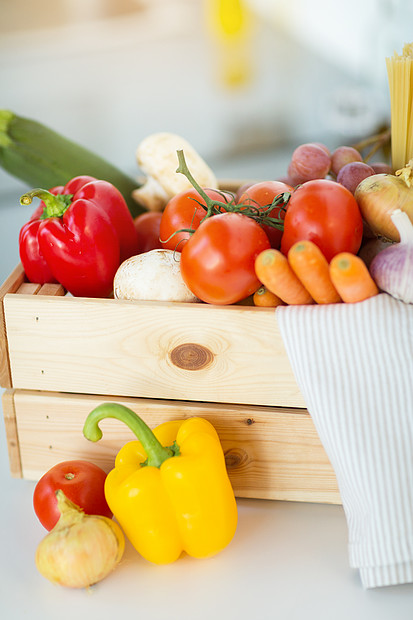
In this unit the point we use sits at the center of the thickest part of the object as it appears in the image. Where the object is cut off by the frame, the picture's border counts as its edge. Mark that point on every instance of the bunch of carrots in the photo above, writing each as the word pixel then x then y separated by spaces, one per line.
pixel 306 277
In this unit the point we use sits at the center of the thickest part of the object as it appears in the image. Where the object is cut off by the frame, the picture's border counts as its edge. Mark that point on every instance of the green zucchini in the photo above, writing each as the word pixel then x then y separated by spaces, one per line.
pixel 43 158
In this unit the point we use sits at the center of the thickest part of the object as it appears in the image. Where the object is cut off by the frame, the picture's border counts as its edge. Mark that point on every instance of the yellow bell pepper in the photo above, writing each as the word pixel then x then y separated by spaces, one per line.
pixel 169 499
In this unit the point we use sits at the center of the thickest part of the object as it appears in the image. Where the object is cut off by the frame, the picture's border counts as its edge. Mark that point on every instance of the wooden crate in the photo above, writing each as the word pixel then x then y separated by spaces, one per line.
pixel 61 356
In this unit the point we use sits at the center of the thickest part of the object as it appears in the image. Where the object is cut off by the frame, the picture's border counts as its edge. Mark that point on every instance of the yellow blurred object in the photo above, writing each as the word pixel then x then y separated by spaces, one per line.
pixel 231 24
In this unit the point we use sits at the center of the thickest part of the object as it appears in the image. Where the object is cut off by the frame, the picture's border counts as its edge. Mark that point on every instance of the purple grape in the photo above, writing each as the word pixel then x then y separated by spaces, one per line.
pixel 353 173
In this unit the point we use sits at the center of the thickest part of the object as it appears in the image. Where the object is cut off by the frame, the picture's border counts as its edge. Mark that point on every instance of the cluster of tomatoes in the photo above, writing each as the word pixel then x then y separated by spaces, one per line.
pixel 218 252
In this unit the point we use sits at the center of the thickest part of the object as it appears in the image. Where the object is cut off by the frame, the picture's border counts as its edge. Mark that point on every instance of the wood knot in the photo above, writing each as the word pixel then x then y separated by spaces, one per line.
pixel 191 356
pixel 235 457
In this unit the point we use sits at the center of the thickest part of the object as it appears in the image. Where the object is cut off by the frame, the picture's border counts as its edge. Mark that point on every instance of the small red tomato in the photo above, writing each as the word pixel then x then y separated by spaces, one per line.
pixel 185 211
pixel 261 195
pixel 82 482
pixel 147 226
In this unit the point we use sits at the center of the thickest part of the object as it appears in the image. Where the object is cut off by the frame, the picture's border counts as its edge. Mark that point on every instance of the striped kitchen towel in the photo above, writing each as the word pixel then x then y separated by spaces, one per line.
pixel 354 366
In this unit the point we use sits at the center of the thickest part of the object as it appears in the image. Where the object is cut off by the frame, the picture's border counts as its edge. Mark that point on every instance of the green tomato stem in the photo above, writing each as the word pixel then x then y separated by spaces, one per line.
pixel 214 207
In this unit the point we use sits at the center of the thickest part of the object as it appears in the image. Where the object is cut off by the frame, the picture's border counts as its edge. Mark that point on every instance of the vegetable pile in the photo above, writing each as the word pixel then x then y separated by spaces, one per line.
pixel 308 238
pixel 169 492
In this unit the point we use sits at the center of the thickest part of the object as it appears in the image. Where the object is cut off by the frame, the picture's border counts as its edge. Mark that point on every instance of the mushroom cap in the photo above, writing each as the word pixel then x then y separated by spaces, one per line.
pixel 152 276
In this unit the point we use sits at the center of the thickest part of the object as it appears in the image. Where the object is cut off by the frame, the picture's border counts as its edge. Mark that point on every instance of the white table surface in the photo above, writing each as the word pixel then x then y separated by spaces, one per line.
pixel 286 561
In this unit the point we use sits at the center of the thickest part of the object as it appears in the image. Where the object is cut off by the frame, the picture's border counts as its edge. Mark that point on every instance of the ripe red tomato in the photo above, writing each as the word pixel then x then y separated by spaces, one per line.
pixel 147 226
pixel 217 263
pixel 326 213
pixel 82 482
pixel 261 195
pixel 184 211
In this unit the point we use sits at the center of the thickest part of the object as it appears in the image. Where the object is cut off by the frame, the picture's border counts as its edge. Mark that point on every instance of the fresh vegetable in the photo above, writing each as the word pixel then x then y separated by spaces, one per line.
pixel 79 234
pixel 265 299
pixel 183 214
pixel 41 157
pixel 351 278
pixel 261 195
pixel 380 195
pixel 273 270
pixel 392 268
pixel 309 161
pixel 311 268
pixel 156 157
pixel 326 213
pixel 81 481
pixel 148 229
pixel 152 276
pixel 169 499
pixel 217 262
pixel 81 549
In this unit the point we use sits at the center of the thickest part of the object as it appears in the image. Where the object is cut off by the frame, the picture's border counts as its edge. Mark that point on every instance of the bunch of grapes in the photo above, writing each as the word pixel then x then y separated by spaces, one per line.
pixel 313 160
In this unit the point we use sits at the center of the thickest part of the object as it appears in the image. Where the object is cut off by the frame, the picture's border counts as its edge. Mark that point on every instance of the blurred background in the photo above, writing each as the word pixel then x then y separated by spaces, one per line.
pixel 245 81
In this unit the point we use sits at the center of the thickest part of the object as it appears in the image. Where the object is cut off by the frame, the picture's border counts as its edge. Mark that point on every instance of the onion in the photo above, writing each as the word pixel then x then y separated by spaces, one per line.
pixel 379 195
pixel 392 268
pixel 81 549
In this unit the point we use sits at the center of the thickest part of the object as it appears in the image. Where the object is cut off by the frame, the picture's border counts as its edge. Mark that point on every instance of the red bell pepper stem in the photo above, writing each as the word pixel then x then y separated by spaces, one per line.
pixel 155 451
pixel 55 204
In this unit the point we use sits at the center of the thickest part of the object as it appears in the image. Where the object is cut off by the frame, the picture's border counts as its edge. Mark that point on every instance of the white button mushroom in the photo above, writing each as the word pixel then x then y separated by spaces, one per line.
pixel 152 276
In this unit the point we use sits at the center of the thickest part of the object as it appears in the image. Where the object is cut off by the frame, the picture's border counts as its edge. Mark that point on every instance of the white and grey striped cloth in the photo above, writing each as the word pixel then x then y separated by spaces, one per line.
pixel 354 366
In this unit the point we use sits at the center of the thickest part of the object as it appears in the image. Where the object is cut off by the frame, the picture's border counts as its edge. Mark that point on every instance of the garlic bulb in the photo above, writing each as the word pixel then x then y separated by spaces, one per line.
pixel 81 549
pixel 392 268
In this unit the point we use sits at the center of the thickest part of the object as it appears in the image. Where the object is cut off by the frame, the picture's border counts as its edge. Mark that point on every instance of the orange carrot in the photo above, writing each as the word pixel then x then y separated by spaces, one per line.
pixel 352 278
pixel 311 268
pixel 274 272
pixel 265 299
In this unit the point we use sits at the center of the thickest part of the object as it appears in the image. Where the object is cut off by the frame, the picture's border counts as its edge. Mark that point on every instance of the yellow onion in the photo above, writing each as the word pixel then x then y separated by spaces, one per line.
pixel 379 195
pixel 81 549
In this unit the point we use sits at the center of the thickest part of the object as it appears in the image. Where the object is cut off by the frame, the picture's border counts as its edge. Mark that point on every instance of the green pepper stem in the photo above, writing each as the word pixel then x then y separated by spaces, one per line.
pixel 155 451
pixel 55 204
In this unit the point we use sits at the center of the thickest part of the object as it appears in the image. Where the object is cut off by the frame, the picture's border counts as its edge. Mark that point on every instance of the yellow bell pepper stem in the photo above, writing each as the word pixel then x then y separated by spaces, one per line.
pixel 169 500
pixel 155 451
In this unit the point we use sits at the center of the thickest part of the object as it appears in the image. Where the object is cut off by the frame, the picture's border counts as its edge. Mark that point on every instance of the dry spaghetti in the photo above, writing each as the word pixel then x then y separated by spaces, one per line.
pixel 400 76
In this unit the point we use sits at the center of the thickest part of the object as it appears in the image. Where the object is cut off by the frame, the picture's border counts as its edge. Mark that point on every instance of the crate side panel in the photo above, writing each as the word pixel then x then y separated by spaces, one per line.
pixel 12 437
pixel 147 349
pixel 270 453
pixel 10 285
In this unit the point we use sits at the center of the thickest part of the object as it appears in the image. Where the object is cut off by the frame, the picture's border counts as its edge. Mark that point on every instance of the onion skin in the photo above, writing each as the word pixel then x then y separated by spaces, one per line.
pixel 378 196
pixel 392 271
pixel 81 549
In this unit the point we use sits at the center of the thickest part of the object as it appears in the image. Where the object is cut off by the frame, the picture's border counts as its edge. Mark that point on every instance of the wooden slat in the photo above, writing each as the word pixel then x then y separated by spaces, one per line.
pixel 53 290
pixel 12 437
pixel 232 354
pixel 28 288
pixel 270 453
pixel 11 284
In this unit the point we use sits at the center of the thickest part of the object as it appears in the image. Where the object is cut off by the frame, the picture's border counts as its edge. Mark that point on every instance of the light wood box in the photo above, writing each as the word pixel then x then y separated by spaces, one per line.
pixel 61 356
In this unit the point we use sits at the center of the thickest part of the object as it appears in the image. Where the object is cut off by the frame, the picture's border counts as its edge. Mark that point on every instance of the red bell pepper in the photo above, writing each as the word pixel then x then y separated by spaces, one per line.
pixel 78 236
